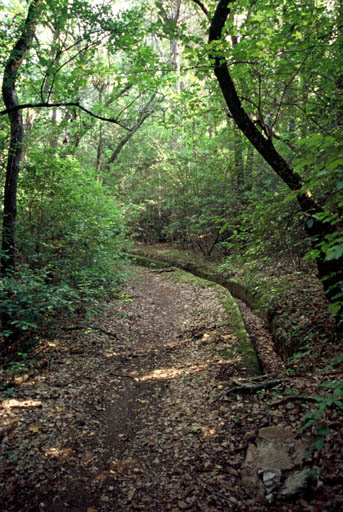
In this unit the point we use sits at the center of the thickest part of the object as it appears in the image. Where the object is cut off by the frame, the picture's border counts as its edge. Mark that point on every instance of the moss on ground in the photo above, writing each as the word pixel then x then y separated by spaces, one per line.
pixel 244 348
pixel 149 262
pixel 291 302
pixel 185 276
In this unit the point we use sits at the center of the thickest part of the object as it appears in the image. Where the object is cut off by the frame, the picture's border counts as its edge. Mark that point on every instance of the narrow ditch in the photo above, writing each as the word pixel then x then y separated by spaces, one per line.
pixel 257 325
pixel 262 340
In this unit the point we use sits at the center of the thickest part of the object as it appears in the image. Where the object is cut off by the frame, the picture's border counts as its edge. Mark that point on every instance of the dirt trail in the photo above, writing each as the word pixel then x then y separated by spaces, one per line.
pixel 133 413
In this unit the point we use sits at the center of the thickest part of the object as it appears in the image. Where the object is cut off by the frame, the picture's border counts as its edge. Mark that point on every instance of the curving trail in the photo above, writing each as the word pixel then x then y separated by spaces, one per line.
pixel 132 414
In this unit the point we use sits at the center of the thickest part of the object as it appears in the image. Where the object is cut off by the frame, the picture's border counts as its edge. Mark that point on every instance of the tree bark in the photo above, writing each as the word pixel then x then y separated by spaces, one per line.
pixel 331 272
pixel 11 102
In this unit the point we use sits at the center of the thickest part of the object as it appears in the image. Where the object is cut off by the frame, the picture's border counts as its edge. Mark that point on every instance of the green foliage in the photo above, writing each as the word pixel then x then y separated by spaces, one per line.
pixel 296 360
pixel 19 365
pixel 322 155
pixel 250 238
pixel 71 241
pixel 316 418
pixel 66 215
pixel 30 300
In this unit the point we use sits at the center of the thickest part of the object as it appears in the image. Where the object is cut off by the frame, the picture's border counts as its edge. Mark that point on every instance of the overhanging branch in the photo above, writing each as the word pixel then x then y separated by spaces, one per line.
pixel 67 104
pixel 262 144
pixel 202 7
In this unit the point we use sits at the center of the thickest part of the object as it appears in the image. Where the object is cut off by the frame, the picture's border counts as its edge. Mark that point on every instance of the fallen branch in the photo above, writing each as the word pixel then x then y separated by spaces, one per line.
pixel 213 491
pixel 160 270
pixel 248 387
pixel 108 333
pixel 293 398
pixel 123 376
pixel 74 328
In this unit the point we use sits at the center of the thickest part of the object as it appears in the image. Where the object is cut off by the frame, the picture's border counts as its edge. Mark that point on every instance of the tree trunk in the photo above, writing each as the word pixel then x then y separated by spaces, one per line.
pixel 239 169
pixel 331 272
pixel 249 166
pixel 99 151
pixel 15 151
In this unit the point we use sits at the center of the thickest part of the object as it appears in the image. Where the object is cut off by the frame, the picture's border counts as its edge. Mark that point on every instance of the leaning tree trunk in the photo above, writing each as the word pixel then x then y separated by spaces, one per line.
pixel 14 153
pixel 331 272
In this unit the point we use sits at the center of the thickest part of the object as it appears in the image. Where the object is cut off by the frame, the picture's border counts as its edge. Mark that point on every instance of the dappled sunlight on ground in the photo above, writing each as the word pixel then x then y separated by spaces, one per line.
pixel 170 373
pixel 115 412
pixel 211 432
pixel 174 372
pixel 62 453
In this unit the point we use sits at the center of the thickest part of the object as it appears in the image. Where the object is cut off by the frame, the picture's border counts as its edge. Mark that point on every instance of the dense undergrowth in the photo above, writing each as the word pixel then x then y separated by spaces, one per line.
pixel 71 244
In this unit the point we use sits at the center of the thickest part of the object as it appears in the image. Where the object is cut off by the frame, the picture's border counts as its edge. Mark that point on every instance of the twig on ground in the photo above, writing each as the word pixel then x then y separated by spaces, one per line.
pixel 160 270
pixel 248 387
pixel 293 398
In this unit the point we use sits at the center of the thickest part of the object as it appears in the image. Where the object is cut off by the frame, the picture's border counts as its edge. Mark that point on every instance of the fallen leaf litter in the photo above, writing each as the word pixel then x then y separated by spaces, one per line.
pixel 140 420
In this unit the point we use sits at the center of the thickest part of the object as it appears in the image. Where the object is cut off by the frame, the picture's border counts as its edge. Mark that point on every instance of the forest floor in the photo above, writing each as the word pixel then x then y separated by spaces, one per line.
pixel 132 412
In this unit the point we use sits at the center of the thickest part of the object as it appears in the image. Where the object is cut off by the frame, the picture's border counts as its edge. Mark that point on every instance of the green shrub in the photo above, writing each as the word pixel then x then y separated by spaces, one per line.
pixel 332 397
pixel 71 240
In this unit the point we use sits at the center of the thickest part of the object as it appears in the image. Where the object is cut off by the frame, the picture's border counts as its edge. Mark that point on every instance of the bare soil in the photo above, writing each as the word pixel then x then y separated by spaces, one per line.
pixel 131 412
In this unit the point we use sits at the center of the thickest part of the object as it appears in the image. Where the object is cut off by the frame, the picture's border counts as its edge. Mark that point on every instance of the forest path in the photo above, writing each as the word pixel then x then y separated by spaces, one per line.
pixel 132 414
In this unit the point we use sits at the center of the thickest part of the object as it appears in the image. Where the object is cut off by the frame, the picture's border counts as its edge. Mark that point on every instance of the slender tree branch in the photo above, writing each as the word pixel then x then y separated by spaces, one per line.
pixel 144 114
pixel 287 85
pixel 55 59
pixel 73 57
pixel 113 96
pixel 67 104
pixel 133 101
pixel 202 7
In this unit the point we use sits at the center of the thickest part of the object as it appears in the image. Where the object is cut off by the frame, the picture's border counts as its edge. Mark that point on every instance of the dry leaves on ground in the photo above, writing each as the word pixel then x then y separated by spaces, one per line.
pixel 133 413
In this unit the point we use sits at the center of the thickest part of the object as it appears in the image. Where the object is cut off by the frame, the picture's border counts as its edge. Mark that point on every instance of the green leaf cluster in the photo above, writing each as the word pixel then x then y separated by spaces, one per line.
pixel 316 417
pixel 71 242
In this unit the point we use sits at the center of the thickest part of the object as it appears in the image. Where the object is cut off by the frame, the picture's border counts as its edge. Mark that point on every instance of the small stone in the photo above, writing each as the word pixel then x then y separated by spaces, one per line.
pixel 269 497
pixel 296 483
pixel 268 475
